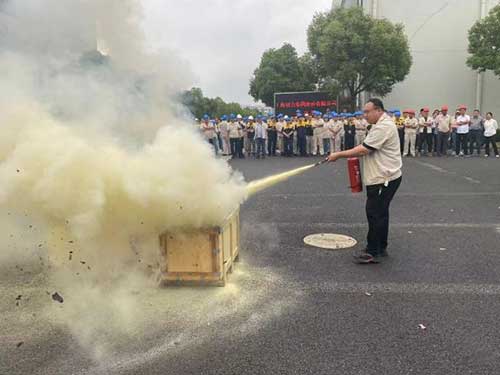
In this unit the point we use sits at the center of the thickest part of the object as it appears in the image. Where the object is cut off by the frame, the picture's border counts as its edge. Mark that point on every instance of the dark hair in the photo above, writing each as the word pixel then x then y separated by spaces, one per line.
pixel 490 113
pixel 377 103
pixel 477 110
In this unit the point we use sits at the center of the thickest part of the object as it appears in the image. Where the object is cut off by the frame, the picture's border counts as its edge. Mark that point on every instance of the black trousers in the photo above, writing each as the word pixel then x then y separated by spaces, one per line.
pixel 241 144
pixel 462 144
pixel 302 144
pixel 491 140
pixel 271 143
pixel 427 139
pixel 288 142
pixel 475 141
pixel 350 140
pixel 442 143
pixel 379 199
pixel 401 133
pixel 234 146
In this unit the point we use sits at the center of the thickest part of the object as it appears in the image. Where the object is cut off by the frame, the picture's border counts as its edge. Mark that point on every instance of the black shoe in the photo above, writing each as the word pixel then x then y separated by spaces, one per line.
pixel 365 258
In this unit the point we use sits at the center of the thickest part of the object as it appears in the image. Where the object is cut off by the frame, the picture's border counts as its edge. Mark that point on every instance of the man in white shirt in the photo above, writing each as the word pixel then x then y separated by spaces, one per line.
pixel 463 123
pixel 425 132
pixel 318 126
pixel 443 124
pixel 279 129
pixel 208 129
pixel 337 129
pixel 327 133
pixel 242 133
pixel 224 132
pixel 360 124
pixel 260 138
pixel 233 128
pixel 381 174
pixel 411 127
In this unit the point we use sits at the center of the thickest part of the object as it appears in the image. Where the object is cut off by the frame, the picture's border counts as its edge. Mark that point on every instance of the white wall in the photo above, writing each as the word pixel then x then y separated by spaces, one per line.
pixel 437 30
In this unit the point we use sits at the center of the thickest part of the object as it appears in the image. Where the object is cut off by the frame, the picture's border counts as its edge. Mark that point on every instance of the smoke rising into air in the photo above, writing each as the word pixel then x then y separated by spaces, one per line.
pixel 95 160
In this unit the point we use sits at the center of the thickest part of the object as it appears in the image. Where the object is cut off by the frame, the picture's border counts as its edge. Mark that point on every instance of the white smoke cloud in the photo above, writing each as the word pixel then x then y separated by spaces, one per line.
pixel 93 163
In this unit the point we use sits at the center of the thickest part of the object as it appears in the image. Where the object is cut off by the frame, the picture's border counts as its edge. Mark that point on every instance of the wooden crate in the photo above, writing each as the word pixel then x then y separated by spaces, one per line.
pixel 202 256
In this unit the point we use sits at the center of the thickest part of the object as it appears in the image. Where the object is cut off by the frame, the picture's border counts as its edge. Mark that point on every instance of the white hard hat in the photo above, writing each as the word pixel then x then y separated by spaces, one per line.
pixel 239 117
pixel 250 117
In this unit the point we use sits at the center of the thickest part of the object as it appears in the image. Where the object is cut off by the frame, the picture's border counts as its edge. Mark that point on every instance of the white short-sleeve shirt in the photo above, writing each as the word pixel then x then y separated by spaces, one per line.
pixel 383 164
pixel 463 129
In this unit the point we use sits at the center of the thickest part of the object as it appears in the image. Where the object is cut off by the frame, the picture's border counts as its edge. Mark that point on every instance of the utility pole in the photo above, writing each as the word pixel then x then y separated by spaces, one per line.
pixel 480 75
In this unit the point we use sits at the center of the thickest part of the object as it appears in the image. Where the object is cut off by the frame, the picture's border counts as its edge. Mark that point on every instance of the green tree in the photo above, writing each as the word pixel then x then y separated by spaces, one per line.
pixel 358 52
pixel 484 43
pixel 199 105
pixel 309 70
pixel 281 70
pixel 195 101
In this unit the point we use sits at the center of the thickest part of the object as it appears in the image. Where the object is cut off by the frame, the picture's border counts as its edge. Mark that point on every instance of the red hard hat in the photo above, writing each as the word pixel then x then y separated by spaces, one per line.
pixel 425 109
pixel 444 108
pixel 462 106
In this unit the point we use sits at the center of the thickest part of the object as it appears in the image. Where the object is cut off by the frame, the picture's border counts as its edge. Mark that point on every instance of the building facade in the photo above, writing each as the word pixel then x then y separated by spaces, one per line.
pixel 438 34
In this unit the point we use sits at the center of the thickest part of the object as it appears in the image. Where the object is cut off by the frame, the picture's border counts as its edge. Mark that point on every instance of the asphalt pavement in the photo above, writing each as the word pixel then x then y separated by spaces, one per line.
pixel 430 308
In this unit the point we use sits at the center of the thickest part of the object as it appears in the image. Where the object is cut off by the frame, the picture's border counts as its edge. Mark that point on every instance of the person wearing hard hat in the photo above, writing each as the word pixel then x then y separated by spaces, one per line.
pixel 318 128
pixel 208 129
pixel 349 132
pixel 462 124
pixel 382 176
pixel 295 122
pixel 242 133
pixel 434 126
pixel 279 130
pixel 224 133
pixel 425 132
pixel 216 136
pixel 234 135
pixel 288 130
pixel 260 134
pixel 301 135
pixel 360 125
pixel 337 129
pixel 250 137
pixel 327 134
pixel 399 120
pixel 309 134
pixel 443 124
pixel 476 132
pixel 411 127
pixel 272 137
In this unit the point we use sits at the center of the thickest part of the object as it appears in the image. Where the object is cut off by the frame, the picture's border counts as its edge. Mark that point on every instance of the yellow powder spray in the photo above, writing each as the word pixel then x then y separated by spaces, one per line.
pixel 256 186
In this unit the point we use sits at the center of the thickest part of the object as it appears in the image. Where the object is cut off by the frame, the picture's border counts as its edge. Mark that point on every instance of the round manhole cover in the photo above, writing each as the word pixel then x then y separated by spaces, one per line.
pixel 330 241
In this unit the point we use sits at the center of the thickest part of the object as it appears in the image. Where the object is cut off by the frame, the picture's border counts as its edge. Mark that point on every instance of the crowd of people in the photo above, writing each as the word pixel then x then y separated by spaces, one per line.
pixel 310 134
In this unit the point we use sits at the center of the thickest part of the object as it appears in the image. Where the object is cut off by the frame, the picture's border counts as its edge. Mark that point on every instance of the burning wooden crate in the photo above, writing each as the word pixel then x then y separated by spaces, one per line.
pixel 203 256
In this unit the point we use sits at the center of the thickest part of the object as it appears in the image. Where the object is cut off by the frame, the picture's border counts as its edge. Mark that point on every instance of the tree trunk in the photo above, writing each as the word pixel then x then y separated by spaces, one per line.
pixel 350 103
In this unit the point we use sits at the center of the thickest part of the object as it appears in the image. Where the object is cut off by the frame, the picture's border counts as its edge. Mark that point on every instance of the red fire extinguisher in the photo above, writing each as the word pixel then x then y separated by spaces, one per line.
pixel 354 169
